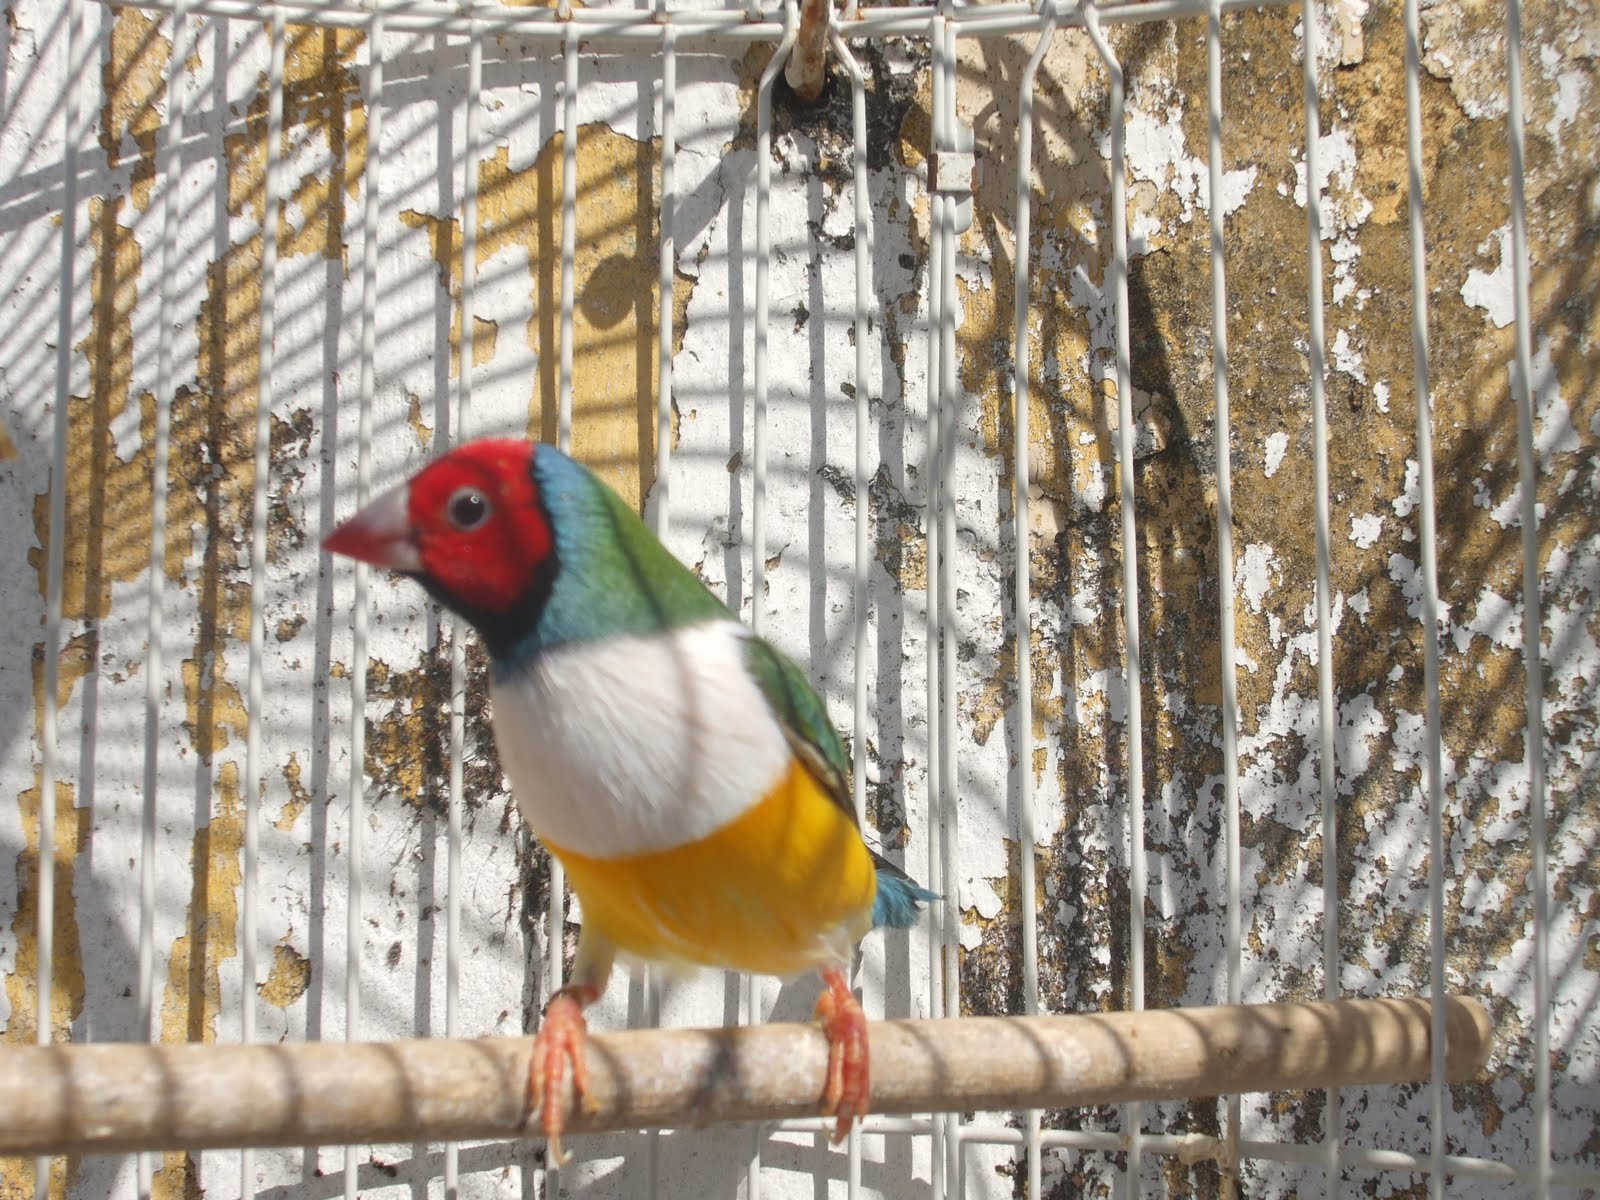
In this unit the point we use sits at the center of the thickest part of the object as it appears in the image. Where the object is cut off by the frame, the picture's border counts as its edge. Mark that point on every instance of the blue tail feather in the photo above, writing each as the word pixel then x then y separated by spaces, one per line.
pixel 899 901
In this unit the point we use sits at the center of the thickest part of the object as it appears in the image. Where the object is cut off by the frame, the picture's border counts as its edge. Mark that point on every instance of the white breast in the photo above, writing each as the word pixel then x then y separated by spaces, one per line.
pixel 636 744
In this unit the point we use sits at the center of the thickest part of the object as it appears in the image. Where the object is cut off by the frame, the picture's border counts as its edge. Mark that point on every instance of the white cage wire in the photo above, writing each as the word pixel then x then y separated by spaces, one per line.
pixel 148 739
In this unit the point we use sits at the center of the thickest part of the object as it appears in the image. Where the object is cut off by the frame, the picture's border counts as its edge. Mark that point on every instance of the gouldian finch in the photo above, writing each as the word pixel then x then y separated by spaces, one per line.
pixel 682 770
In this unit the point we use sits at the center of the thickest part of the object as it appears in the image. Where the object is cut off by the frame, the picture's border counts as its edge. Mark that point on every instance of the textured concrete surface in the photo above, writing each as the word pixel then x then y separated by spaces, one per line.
pixel 1078 745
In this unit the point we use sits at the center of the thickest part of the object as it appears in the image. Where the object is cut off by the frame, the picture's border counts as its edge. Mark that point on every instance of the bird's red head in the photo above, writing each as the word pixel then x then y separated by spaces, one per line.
pixel 469 526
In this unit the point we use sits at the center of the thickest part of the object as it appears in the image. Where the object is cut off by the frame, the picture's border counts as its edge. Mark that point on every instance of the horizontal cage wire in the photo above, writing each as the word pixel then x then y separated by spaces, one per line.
pixel 1163 432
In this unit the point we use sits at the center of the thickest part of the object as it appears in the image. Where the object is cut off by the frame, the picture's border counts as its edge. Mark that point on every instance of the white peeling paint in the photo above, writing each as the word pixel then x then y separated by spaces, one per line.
pixel 1277 446
pixel 1156 153
pixel 1142 230
pixel 1497 618
pixel 1344 207
pixel 1343 253
pixel 1456 42
pixel 1366 529
pixel 1253 576
pixel 1493 290
pixel 1407 576
pixel 1346 357
pixel 1411 492
pixel 1571 92
pixel 1092 486
pixel 1361 723
pixel 1506 513
pixel 1350 42
pixel 1554 432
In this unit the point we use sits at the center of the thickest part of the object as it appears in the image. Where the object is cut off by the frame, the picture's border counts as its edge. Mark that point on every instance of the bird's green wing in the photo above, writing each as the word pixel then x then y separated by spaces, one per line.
pixel 804 718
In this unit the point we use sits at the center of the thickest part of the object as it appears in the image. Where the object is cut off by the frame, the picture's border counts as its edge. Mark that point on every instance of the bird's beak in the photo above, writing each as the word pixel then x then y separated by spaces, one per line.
pixel 379 534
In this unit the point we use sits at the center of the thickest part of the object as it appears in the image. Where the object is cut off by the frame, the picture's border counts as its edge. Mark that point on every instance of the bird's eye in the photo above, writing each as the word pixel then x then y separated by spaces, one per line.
pixel 468 509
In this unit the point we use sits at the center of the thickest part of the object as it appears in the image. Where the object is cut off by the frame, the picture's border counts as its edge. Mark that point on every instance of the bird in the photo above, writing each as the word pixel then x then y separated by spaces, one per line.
pixel 682 769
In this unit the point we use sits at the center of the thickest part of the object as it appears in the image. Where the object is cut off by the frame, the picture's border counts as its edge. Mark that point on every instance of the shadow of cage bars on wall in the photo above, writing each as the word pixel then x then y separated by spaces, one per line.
pixel 1066 385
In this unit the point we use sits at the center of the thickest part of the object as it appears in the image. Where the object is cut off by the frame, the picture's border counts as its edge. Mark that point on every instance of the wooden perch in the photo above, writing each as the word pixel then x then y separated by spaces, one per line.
pixel 81 1099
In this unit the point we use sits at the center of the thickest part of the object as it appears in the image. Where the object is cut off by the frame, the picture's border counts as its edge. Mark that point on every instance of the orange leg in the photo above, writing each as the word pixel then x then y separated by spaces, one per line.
pixel 849 1084
pixel 560 1041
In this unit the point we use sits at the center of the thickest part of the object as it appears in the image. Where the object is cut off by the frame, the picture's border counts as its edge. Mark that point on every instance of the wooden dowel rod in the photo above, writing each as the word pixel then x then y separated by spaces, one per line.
pixel 81 1099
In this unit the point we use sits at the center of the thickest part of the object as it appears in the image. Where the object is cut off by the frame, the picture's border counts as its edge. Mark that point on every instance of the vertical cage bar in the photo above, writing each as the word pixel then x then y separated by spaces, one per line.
pixel 937 916
pixel 1222 441
pixel 1022 534
pixel 556 922
pixel 55 561
pixel 249 885
pixel 862 324
pixel 758 497
pixel 758 491
pixel 1132 673
pixel 1532 619
pixel 664 331
pixel 1434 773
pixel 666 274
pixel 861 478
pixel 367 385
pixel 949 396
pixel 931 517
pixel 160 459
pixel 1317 352
pixel 938 265
pixel 557 919
pixel 471 134
pixel 942 568
pixel 569 229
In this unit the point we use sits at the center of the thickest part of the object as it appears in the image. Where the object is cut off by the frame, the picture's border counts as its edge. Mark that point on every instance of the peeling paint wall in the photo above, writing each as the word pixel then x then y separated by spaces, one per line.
pixel 1077 748
pixel 1379 741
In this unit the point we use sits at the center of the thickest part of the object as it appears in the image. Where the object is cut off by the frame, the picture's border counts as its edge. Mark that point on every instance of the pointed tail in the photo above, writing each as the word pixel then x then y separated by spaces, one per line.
pixel 900 898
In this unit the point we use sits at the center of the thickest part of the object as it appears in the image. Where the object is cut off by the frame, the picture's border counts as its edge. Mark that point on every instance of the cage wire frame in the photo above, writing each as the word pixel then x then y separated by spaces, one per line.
pixel 663 32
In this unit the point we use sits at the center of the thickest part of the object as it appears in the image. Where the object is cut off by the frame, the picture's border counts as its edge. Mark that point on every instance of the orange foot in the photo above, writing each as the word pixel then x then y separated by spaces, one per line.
pixel 849 1082
pixel 560 1041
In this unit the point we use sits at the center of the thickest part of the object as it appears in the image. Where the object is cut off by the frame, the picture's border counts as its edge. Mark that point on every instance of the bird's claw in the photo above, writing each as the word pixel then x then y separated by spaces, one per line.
pixel 560 1042
pixel 849 1085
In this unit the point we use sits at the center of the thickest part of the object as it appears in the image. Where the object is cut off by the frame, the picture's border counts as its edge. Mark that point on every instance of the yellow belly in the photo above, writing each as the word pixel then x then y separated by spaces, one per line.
pixel 784 888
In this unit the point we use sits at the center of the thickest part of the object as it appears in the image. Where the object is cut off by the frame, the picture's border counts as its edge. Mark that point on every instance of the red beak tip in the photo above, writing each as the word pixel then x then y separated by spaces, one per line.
pixel 379 534
pixel 342 541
